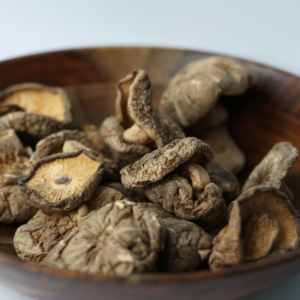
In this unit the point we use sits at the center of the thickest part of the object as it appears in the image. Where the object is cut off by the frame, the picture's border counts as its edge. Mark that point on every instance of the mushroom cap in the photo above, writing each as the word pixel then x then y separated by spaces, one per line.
pixel 53 144
pixel 134 106
pixel 274 167
pixel 225 179
pixel 226 151
pixel 37 98
pixel 14 207
pixel 194 90
pixel 156 165
pixel 63 181
pixel 112 133
pixel 229 243
pixel 115 240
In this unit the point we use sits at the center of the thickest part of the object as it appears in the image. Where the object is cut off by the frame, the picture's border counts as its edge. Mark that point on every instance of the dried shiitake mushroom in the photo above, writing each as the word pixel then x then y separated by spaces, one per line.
pixel 14 207
pixel 186 244
pixel 261 220
pixel 144 122
pixel 34 240
pixel 46 109
pixel 274 168
pixel 62 181
pixel 156 165
pixel 224 179
pixel 226 151
pixel 115 240
pixel 194 90
pixel 53 144
pixel 10 143
pixel 94 135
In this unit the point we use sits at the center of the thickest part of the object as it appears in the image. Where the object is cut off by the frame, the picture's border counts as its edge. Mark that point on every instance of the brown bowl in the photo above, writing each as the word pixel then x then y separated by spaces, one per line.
pixel 267 114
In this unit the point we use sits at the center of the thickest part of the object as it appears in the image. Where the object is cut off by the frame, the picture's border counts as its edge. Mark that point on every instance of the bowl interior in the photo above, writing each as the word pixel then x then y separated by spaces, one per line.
pixel 266 114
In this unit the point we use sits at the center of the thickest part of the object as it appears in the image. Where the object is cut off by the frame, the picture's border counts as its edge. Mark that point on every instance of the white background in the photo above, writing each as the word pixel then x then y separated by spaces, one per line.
pixel 266 31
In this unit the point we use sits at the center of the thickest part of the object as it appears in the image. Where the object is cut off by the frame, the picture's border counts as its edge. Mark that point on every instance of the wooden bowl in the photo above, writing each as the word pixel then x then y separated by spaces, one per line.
pixel 267 114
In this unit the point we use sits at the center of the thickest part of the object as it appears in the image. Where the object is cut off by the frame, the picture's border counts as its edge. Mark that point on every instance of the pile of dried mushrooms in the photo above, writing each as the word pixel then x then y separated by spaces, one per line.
pixel 149 190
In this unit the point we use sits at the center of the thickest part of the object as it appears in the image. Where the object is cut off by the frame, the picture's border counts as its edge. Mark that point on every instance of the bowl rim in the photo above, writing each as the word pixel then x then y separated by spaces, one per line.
pixel 271 262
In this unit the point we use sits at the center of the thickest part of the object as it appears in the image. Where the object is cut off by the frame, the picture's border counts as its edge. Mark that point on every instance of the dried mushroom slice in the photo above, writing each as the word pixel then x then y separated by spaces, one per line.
pixel 134 108
pixel 115 240
pixel 186 244
pixel 175 194
pixel 156 165
pixel 53 143
pixel 274 168
pixel 14 207
pixel 224 179
pixel 63 181
pixel 226 151
pixel 34 240
pixel 261 220
pixel 194 91
pixel 13 166
pixel 112 133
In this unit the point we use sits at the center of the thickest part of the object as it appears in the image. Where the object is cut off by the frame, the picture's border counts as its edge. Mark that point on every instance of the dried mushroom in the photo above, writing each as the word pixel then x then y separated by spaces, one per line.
pixel 226 151
pixel 112 169
pixel 224 179
pixel 186 244
pixel 14 207
pixel 94 135
pixel 34 240
pixel 118 239
pixel 53 143
pixel 112 133
pixel 274 168
pixel 47 109
pixel 155 166
pixel 261 220
pixel 194 90
pixel 136 112
pixel 10 143
pixel 63 181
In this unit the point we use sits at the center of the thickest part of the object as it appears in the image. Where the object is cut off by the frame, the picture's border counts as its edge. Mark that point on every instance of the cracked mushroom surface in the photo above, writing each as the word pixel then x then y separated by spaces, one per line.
pixel 34 240
pixel 194 90
pixel 143 123
pixel 63 181
pixel 118 239
pixel 261 220
pixel 156 165
pixel 46 109
pixel 274 167
pixel 186 244
pixel 14 207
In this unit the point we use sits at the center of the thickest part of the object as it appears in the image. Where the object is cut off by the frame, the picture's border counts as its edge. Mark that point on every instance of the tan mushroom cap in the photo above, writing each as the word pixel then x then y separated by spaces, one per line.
pixel 156 165
pixel 134 107
pixel 37 98
pixel 226 151
pixel 118 239
pixel 53 143
pixel 274 168
pixel 112 133
pixel 63 181
pixel 267 209
pixel 14 207
pixel 194 90
pixel 224 179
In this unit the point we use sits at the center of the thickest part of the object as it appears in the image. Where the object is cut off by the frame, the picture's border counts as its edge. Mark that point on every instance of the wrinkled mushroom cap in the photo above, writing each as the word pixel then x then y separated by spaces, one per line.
pixel 115 240
pixel 274 167
pixel 159 163
pixel 63 181
pixel 270 204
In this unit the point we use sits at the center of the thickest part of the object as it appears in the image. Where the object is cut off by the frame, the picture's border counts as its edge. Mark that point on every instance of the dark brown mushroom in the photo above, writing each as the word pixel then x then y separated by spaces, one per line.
pixel 261 220
pixel 274 168
pixel 115 240
pixel 156 165
pixel 63 181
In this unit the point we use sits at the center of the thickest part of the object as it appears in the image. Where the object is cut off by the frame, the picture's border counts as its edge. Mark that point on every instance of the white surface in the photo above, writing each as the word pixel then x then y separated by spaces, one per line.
pixel 264 31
